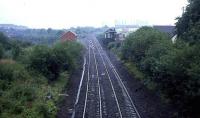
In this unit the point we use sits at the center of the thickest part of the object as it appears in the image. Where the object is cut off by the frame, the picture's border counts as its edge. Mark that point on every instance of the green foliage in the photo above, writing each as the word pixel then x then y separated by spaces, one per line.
pixel 115 47
pixel 39 56
pixel 22 95
pixel 50 61
pixel 4 41
pixel 186 65
pixel 1 51
pixel 35 36
pixel 152 62
pixel 132 68
pixel 180 82
pixel 52 109
pixel 11 48
pixel 138 43
pixel 16 49
pixel 74 49
pixel 24 74
pixel 188 26
pixel 15 92
pixel 10 70
pixel 171 69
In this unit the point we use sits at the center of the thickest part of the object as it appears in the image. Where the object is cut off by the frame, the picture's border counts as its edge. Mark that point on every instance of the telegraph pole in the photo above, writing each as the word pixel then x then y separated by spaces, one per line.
pixel 183 8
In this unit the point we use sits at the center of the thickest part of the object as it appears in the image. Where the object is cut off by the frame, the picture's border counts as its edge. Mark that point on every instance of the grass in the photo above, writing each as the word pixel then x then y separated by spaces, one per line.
pixel 133 70
pixel 57 87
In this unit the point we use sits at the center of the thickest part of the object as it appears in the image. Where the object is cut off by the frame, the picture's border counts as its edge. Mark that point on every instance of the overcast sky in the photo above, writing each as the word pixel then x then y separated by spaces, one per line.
pixel 72 13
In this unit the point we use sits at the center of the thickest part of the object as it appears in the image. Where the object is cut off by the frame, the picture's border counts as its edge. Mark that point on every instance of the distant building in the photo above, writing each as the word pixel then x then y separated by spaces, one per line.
pixel 124 30
pixel 110 34
pixel 68 36
pixel 168 29
pixel 120 36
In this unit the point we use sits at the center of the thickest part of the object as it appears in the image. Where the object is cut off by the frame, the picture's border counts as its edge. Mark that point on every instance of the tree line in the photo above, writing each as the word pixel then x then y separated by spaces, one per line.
pixel 172 69
pixel 35 36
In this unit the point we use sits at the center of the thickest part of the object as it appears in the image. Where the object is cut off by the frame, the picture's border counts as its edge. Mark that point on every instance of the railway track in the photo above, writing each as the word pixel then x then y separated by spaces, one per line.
pixel 103 94
pixel 93 92
pixel 136 114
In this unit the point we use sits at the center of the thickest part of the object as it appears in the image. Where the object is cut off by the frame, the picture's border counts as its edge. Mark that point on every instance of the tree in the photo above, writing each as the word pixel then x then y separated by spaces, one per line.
pixel 137 43
pixel 152 64
pixel 51 61
pixel 4 41
pixel 188 26
pixel 49 30
pixel 1 51
pixel 173 68
pixel 38 59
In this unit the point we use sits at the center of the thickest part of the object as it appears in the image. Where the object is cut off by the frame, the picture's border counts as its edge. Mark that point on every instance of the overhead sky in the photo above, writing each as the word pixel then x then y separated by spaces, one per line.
pixel 72 13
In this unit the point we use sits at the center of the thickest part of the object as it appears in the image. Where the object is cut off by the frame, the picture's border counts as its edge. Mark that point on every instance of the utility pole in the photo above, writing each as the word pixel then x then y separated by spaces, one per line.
pixel 183 8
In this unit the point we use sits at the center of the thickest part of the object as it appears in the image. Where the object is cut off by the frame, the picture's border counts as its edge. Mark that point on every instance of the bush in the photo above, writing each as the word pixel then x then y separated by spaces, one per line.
pixel 23 73
pixel 174 69
pixel 137 43
pixel 15 91
pixel 10 70
pixel 16 49
pixel 114 45
pixel 38 59
pixel 133 70
pixel 182 83
pixel 51 61
pixel 152 62
pixel 23 93
pixel 74 49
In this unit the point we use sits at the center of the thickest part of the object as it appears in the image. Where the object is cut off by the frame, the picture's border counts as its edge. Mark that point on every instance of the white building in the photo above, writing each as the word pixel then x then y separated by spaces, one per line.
pixel 124 30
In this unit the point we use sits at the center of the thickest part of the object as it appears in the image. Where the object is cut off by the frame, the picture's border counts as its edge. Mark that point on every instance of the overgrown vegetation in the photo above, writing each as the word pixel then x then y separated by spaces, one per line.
pixel 172 69
pixel 188 26
pixel 33 76
pixel 36 36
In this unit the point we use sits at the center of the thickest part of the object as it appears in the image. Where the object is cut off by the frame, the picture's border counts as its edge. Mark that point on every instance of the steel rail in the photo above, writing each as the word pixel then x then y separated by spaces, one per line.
pixel 98 84
pixel 119 78
pixel 116 99
pixel 88 79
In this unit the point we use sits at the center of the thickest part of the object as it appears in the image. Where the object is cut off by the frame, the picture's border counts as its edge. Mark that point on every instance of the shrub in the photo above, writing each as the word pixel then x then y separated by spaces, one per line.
pixel 74 49
pixel 10 70
pixel 173 68
pixel 23 93
pixel 152 63
pixel 38 59
pixel 23 83
pixel 182 83
pixel 51 61
pixel 137 43
pixel 16 49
